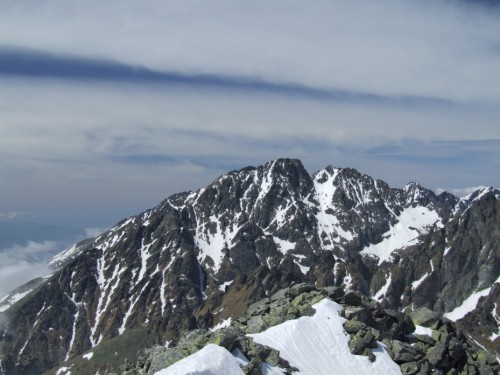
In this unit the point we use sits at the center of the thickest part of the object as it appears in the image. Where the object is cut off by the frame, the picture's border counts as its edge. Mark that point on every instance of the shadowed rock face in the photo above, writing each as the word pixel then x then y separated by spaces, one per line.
pixel 201 257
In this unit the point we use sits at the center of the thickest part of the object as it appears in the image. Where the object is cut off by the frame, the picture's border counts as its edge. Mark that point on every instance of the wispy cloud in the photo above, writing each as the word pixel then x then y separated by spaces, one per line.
pixel 425 48
pixel 20 264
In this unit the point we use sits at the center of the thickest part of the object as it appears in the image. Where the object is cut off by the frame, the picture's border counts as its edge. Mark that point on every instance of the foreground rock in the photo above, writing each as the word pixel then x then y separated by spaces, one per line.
pixel 441 349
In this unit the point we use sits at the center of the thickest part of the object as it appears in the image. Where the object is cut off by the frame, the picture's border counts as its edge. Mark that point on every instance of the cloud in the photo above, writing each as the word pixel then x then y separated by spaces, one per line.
pixel 22 263
pixel 109 107
pixel 19 264
pixel 69 148
pixel 93 232
pixel 391 48
pixel 11 215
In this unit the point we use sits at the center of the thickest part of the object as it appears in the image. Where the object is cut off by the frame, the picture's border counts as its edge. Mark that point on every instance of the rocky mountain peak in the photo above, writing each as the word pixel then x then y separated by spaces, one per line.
pixel 202 257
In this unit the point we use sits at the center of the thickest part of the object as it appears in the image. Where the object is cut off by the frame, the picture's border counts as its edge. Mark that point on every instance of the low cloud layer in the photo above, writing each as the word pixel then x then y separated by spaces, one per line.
pixel 20 264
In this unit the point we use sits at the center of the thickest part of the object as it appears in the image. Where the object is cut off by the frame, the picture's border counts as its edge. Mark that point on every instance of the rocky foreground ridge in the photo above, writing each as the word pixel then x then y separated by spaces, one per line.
pixel 200 258
pixel 419 342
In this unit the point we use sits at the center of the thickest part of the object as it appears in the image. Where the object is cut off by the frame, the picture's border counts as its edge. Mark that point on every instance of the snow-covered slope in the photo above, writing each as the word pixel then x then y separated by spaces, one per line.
pixel 314 345
pixel 412 223
pixel 319 345
pixel 211 360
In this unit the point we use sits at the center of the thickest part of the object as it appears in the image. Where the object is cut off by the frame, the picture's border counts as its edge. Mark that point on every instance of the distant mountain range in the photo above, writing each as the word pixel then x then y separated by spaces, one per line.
pixel 201 258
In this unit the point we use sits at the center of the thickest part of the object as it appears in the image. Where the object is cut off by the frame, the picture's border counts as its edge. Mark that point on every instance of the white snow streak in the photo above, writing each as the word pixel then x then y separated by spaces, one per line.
pixel 469 304
pixel 415 284
pixel 64 371
pixel 347 280
pixel 131 307
pixel 496 335
pixel 381 293
pixel 75 318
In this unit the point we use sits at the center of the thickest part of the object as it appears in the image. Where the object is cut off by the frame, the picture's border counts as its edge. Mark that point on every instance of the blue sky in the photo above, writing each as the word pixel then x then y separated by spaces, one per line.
pixel 106 108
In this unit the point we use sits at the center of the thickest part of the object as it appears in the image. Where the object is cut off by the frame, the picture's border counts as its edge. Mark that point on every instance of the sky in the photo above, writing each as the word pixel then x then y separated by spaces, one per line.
pixel 109 107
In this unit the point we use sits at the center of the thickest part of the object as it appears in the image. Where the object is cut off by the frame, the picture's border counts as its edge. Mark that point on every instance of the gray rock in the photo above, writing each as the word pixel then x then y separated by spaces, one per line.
pixel 353 326
pixel 361 340
pixel 403 352
pixel 435 355
pixel 410 368
pixel 424 317
pixel 360 313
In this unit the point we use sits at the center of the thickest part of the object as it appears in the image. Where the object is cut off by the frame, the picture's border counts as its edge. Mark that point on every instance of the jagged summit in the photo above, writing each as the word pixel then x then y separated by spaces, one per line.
pixel 199 258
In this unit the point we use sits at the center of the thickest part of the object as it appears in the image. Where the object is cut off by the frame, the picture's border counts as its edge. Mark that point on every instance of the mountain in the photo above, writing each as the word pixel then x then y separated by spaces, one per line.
pixel 200 258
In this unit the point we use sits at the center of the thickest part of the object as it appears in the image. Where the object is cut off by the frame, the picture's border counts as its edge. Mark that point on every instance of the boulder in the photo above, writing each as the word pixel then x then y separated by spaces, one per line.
pixel 403 352
pixel 410 368
pixel 424 317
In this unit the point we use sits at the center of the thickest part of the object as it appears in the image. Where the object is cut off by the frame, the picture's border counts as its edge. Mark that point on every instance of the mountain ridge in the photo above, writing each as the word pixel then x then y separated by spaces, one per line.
pixel 199 257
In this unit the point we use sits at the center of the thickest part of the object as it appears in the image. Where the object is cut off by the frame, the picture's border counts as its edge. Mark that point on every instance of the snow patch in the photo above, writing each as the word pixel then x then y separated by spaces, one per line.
pixel 88 356
pixel 223 286
pixel 211 360
pixel 63 255
pixel 64 371
pixel 211 244
pixel 412 222
pixel 225 323
pixel 347 280
pixel 421 330
pixel 12 299
pixel 329 230
pixel 283 245
pixel 469 304
pixel 319 345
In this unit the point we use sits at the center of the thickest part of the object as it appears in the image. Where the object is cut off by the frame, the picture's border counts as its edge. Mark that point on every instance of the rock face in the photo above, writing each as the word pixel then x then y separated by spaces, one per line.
pixel 202 257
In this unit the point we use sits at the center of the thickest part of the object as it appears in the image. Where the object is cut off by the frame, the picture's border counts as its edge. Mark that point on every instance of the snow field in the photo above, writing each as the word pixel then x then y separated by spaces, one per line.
pixel 319 345
pixel 412 222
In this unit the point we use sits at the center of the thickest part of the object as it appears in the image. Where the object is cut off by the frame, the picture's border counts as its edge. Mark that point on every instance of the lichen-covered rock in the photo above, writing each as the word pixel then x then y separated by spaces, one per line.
pixel 410 368
pixel 363 339
pixel 403 352
pixel 424 317
pixel 436 354
pixel 353 326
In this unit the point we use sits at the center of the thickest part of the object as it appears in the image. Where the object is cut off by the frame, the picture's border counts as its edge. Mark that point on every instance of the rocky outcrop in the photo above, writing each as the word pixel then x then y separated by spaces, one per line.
pixel 442 349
